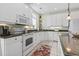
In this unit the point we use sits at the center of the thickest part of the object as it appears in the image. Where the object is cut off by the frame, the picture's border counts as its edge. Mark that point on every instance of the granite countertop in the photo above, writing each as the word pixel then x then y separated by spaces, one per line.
pixel 46 30
pixel 30 32
pixel 12 35
pixel 69 44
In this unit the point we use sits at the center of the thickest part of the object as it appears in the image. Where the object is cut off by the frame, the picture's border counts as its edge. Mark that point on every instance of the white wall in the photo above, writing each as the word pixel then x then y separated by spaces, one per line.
pixel 74 26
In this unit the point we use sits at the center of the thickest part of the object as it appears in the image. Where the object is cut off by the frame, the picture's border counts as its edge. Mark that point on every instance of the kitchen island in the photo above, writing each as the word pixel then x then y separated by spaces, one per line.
pixel 69 44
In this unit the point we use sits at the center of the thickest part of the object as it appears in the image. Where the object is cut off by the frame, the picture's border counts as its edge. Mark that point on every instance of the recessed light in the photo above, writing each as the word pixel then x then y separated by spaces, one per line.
pixel 68 18
pixel 26 26
pixel 55 8
pixel 26 6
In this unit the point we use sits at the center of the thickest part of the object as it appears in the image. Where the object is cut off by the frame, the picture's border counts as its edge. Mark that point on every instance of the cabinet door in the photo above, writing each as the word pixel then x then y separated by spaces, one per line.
pixel 0 49
pixel 21 19
pixel 8 11
pixel 13 46
pixel 39 36
pixel 36 37
pixel 42 36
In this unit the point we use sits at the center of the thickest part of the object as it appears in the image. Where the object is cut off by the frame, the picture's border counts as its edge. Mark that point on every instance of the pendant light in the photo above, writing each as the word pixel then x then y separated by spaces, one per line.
pixel 68 17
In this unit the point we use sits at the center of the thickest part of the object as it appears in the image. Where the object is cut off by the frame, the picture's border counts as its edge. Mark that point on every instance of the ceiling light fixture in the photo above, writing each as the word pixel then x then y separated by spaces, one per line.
pixel 69 16
pixel 68 49
pixel 26 6
pixel 55 8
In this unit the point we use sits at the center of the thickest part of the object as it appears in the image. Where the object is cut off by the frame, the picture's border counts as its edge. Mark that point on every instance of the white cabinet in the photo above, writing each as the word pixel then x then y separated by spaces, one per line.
pixel 22 19
pixel 50 35
pixel 13 46
pixel 54 20
pixel 36 37
pixel 0 48
pixel 59 19
pixel 22 10
pixel 25 15
pixel 40 36
pixel 43 36
pixel 8 11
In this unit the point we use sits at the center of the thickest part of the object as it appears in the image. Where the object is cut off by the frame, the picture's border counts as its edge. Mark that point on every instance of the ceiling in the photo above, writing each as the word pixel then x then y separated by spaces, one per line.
pixel 47 8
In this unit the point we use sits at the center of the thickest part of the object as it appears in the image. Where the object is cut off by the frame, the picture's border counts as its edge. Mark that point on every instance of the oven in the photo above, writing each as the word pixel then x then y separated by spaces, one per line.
pixel 27 42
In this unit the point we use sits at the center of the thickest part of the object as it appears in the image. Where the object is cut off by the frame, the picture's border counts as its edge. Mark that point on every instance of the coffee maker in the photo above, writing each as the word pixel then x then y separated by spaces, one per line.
pixel 4 31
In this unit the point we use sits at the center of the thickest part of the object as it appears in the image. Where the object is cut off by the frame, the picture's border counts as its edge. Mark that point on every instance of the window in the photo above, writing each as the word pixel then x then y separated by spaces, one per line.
pixel 34 20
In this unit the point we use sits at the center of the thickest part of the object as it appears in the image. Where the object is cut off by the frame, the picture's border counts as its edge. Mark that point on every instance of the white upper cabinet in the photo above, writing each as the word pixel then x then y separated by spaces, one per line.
pixel 24 15
pixel 9 12
pixel 54 20
pixel 62 19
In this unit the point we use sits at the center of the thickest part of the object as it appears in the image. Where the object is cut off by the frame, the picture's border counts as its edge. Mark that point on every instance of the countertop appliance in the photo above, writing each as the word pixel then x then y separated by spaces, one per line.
pixel 4 31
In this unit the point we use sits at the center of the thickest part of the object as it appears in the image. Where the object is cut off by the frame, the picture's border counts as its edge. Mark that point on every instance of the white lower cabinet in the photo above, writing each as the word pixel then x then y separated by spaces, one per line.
pixel 36 37
pixel 0 48
pixel 56 49
pixel 13 46
pixel 41 36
